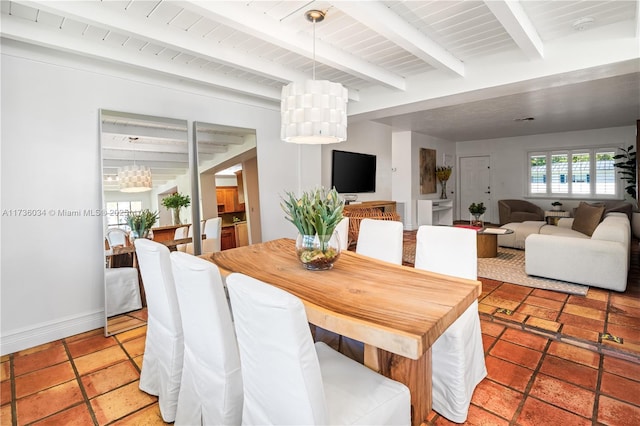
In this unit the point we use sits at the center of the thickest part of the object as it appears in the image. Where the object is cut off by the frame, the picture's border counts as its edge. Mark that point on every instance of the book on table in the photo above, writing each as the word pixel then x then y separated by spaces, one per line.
pixel 498 231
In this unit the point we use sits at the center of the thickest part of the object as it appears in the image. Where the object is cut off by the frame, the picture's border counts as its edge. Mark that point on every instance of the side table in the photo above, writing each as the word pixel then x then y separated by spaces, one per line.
pixel 487 241
pixel 552 216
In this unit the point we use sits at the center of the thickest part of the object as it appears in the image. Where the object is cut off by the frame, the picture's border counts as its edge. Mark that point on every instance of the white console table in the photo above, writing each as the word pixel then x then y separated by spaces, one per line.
pixel 435 212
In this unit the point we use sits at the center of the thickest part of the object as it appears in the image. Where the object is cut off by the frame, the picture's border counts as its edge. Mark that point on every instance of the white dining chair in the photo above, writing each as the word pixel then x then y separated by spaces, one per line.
pixel 163 353
pixel 122 290
pixel 211 385
pixel 457 356
pixel 381 239
pixel 180 233
pixel 116 237
pixel 289 380
pixel 342 230
pixel 213 232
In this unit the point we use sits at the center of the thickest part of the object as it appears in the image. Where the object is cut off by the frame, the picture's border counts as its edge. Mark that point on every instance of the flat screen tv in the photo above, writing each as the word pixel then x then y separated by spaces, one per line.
pixel 353 172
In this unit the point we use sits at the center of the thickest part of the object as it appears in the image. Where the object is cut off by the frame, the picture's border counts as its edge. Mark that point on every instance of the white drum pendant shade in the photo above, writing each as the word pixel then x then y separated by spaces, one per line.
pixel 134 178
pixel 314 112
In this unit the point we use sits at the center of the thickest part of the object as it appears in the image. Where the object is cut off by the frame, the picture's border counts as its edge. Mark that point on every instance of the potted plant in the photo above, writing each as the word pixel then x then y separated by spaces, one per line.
pixel 556 205
pixel 176 201
pixel 315 214
pixel 443 173
pixel 140 223
pixel 477 210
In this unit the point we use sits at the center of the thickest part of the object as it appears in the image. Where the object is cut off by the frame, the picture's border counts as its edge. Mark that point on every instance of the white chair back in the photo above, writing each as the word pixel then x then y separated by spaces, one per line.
pixel 457 356
pixel 180 233
pixel 342 230
pixel 447 250
pixel 122 290
pixel 211 386
pixel 116 237
pixel 164 347
pixel 281 375
pixel 213 232
pixel 381 239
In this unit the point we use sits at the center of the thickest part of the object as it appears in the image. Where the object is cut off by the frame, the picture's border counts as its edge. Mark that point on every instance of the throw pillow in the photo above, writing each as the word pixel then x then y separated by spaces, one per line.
pixel 587 218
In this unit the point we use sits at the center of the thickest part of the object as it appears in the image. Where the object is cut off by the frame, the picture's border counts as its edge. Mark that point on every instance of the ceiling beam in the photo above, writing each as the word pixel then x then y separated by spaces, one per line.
pixel 239 16
pixel 34 33
pixel 516 22
pixel 380 19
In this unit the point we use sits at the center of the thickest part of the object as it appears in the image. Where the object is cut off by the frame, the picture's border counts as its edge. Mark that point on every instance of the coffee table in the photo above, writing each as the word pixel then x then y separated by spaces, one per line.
pixel 487 240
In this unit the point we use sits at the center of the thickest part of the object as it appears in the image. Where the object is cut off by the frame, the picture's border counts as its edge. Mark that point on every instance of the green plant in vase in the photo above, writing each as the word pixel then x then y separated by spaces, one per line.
pixel 443 173
pixel 141 223
pixel 477 210
pixel 315 214
pixel 175 202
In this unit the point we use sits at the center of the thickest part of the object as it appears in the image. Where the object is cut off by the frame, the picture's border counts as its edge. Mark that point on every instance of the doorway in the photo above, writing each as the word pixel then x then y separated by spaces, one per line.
pixel 475 185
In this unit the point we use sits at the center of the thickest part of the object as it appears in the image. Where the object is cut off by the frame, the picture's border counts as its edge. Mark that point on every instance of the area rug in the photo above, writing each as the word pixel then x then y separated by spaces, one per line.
pixel 509 267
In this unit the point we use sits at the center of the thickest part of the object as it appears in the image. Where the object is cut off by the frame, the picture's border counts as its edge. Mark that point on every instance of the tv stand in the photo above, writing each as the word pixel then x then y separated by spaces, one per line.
pixel 385 206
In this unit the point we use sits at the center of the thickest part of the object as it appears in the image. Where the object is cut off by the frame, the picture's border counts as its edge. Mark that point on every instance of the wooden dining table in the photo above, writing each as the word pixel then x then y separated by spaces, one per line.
pixel 396 311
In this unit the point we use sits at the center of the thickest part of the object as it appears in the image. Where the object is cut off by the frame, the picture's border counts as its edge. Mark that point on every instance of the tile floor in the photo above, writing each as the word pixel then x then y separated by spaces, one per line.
pixel 547 365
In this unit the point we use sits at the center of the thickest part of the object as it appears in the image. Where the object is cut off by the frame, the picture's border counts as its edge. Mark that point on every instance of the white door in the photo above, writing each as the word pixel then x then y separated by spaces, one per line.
pixel 475 185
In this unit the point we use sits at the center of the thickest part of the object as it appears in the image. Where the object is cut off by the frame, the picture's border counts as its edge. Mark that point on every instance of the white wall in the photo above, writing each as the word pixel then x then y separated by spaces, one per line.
pixel 52 266
pixel 509 159
pixel 365 137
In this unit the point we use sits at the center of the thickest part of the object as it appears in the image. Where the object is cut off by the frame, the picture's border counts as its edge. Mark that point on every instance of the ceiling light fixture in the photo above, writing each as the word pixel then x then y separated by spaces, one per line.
pixel 134 178
pixel 582 23
pixel 314 111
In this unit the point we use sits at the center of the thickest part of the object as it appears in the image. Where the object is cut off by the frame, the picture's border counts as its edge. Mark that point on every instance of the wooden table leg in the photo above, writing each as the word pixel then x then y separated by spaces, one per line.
pixel 487 245
pixel 416 374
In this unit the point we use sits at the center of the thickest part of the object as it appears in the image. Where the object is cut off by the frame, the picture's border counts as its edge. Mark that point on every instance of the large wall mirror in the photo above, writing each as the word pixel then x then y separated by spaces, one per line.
pixel 138 147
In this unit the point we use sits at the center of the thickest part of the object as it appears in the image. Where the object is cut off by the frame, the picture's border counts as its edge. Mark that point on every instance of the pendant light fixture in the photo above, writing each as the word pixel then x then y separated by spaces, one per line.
pixel 314 111
pixel 134 178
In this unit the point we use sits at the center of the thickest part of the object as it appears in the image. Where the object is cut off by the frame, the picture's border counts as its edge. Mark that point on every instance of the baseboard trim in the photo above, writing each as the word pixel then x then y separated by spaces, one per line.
pixel 48 332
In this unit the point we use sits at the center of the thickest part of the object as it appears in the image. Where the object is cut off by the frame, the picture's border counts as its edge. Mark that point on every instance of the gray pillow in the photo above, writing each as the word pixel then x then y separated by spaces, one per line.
pixel 587 217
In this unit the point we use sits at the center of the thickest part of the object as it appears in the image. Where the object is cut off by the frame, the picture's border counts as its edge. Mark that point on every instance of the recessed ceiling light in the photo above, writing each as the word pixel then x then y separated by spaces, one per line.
pixel 524 119
pixel 582 23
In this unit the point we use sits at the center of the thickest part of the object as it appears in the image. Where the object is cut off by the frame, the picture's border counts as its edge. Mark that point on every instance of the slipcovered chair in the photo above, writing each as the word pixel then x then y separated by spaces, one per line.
pixel 164 347
pixel 211 385
pixel 180 233
pixel 289 380
pixel 212 232
pixel 122 290
pixel 518 211
pixel 457 356
pixel 342 229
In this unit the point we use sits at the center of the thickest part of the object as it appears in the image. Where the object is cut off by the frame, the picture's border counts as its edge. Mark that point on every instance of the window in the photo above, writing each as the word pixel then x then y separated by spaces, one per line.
pixel 117 213
pixel 585 173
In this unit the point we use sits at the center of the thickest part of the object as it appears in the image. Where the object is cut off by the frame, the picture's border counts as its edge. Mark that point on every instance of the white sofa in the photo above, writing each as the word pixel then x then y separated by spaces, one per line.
pixel 602 260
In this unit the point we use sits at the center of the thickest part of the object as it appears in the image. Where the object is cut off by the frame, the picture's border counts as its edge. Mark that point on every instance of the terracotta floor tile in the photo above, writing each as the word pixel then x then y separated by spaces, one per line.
pixel 94 361
pixel 538 413
pixel 5 392
pixel 138 361
pixel 5 358
pixel 491 328
pixel 625 299
pixel 131 334
pixel 120 402
pixel 570 371
pixel 486 309
pixel 82 336
pixel 39 380
pixel 5 371
pixel 525 339
pixel 538 312
pixel 586 302
pixel 487 342
pixel 134 347
pixel 514 317
pixel 552 304
pixel 516 354
pixel 626 320
pixel 620 388
pixel 480 417
pixel 543 324
pixel 519 290
pixel 625 310
pixel 564 395
pixel 142 314
pixel 109 378
pixel 575 354
pixel 581 333
pixel 149 416
pixel 548 294
pixel 6 417
pixel 44 403
pixel 90 344
pixel 597 294
pixel 617 413
pixel 31 361
pixel 583 322
pixel 74 416
pixel 508 295
pixel 500 302
pixel 507 373
pixel 628 347
pixel 628 369
pixel 627 333
pixel 38 348
pixel 496 398
pixel 582 311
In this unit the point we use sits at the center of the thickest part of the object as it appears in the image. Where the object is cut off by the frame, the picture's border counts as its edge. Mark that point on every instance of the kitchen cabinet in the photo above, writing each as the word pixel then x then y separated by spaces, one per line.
pixel 242 234
pixel 228 237
pixel 227 198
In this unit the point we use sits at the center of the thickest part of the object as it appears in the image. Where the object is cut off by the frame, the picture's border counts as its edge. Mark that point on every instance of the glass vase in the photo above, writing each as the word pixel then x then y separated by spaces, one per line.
pixel 317 253
pixel 176 216
pixel 443 192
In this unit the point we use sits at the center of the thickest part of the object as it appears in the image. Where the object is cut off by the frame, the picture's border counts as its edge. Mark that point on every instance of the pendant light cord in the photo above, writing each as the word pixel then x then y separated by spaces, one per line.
pixel 314 49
